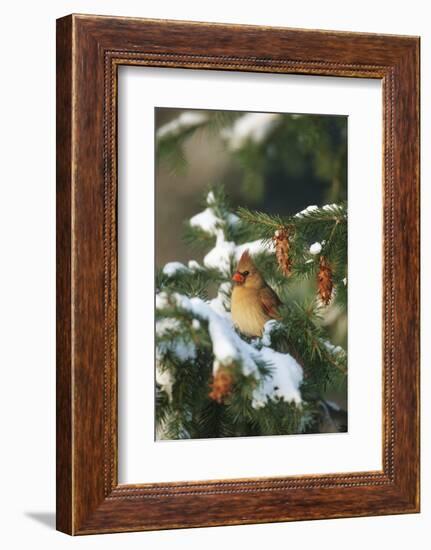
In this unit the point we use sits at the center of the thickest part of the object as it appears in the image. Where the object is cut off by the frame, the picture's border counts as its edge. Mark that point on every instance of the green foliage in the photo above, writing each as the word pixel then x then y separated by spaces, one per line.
pixel 170 146
pixel 297 148
pixel 187 283
pixel 301 327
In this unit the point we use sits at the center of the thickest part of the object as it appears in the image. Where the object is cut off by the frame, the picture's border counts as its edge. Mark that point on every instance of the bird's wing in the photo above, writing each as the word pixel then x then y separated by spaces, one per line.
pixel 270 302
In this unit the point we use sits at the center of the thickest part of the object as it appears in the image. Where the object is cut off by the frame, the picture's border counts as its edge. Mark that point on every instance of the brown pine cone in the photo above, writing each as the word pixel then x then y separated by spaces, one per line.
pixel 221 386
pixel 325 282
pixel 281 242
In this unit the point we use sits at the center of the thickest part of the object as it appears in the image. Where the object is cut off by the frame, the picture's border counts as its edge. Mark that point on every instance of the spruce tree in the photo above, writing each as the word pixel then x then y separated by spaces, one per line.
pixel 211 380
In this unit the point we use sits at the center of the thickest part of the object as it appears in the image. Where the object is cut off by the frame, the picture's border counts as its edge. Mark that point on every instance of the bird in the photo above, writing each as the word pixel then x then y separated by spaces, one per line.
pixel 253 301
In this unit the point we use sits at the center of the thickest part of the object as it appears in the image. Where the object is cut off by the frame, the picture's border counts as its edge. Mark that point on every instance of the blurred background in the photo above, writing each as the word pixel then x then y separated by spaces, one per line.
pixel 272 162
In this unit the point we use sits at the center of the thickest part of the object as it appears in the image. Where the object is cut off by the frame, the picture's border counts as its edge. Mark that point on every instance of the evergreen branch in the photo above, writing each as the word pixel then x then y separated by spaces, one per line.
pixel 189 282
pixel 261 218
pixel 301 330
pixel 197 238
pixel 311 223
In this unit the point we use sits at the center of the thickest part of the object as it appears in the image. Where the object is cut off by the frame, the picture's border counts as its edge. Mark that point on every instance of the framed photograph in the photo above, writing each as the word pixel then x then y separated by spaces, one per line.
pixel 237 274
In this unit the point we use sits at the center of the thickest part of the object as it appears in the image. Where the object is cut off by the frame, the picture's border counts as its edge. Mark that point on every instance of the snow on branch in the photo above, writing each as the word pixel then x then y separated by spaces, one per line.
pixel 172 268
pixel 228 348
pixel 209 222
pixel 314 212
pixel 185 121
pixel 213 222
pixel 253 127
pixel 171 340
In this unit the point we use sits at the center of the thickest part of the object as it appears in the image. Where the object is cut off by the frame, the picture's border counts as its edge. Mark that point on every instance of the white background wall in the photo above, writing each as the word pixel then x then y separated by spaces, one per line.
pixel 27 248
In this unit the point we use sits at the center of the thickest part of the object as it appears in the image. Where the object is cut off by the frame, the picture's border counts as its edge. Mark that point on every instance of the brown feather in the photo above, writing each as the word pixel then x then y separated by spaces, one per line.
pixel 270 302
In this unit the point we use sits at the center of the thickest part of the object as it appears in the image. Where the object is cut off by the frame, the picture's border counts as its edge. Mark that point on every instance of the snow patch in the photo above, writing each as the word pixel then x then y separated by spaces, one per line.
pixel 220 256
pixel 335 350
pixel 221 304
pixel 186 120
pixel 162 300
pixel 172 268
pixel 164 379
pixel 332 405
pixel 253 127
pixel 207 221
pixel 193 265
pixel 307 210
pixel 315 248
pixel 267 329
pixel 166 325
pixel 224 252
pixel 211 198
pixel 183 350
pixel 284 381
pixel 332 206
pixel 177 345
pixel 255 247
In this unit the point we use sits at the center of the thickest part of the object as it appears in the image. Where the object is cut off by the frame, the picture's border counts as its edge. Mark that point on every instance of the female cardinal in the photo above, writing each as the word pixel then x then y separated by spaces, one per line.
pixel 253 301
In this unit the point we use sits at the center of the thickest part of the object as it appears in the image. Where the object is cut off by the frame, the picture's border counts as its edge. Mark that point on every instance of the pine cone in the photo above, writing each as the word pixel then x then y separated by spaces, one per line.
pixel 281 242
pixel 325 283
pixel 221 386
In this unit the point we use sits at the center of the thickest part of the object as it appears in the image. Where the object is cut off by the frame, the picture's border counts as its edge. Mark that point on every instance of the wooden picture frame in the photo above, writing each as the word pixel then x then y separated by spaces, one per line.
pixel 89 51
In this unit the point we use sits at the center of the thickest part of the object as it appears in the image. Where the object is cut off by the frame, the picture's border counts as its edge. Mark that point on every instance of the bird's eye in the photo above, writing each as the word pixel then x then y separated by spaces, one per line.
pixel 245 273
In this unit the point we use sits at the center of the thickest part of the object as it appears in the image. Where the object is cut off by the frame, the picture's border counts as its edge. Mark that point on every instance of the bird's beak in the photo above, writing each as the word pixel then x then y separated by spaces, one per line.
pixel 237 277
